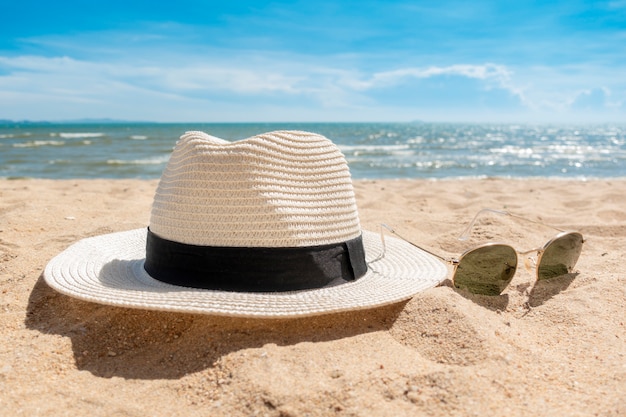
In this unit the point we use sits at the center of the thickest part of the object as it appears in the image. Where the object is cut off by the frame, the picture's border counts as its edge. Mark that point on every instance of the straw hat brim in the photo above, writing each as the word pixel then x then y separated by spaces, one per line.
pixel 108 269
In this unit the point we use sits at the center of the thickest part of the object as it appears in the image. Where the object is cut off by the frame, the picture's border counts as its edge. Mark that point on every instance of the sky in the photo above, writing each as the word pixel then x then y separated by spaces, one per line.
pixel 314 61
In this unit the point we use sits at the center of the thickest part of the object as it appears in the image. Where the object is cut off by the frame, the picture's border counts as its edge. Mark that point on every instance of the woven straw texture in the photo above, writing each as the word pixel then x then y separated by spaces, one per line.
pixel 279 189
pixel 108 269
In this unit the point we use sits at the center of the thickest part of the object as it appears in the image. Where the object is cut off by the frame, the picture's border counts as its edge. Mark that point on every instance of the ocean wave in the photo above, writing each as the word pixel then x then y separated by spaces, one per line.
pixel 374 148
pixel 146 161
pixel 377 150
pixel 15 135
pixel 37 143
pixel 78 135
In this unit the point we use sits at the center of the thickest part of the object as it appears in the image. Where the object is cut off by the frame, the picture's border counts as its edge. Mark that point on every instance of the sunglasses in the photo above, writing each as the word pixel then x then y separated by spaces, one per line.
pixel 489 268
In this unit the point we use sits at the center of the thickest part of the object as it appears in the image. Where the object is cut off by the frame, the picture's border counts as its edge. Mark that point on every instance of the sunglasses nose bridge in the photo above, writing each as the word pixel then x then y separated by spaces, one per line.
pixel 532 258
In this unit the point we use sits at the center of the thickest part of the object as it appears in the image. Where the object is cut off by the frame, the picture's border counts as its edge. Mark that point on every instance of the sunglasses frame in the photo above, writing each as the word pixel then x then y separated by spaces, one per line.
pixel 466 233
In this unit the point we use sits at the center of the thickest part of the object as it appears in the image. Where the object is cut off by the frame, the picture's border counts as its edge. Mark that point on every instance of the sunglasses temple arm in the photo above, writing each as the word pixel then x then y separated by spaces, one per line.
pixel 391 230
pixel 468 230
pixel 466 233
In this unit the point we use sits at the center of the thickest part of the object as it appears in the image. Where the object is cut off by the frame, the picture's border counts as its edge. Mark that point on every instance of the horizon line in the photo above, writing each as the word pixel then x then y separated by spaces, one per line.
pixel 87 121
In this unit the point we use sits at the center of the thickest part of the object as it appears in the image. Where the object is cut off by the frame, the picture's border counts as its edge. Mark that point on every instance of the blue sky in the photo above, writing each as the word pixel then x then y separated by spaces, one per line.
pixel 322 60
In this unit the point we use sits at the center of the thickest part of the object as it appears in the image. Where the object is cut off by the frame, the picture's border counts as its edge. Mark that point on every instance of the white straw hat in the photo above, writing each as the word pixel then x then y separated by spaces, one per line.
pixel 262 227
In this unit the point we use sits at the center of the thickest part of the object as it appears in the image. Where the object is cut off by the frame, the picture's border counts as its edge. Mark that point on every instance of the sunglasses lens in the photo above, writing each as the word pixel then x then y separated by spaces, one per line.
pixel 486 270
pixel 560 256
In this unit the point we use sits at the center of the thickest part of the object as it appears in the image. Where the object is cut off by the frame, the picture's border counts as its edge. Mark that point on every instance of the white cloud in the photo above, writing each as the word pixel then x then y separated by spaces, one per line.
pixel 493 77
pixel 616 4
pixel 481 72
pixel 35 86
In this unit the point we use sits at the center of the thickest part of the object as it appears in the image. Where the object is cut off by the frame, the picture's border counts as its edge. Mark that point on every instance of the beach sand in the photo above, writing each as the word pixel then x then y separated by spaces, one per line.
pixel 553 348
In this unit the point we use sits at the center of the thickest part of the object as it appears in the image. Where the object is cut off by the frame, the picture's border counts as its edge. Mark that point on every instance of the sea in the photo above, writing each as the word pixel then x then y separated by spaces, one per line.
pixel 373 150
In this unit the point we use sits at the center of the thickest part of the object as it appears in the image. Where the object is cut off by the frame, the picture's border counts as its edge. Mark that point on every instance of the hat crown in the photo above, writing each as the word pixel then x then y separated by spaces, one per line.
pixel 279 189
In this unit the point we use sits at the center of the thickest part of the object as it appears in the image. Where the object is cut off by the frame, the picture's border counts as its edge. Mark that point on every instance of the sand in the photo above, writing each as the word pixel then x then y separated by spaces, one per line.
pixel 554 348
